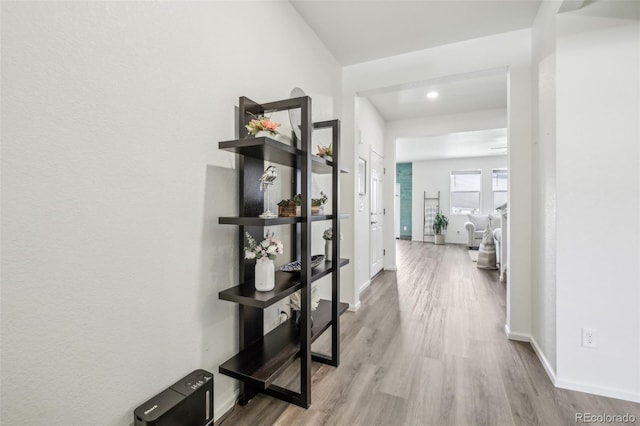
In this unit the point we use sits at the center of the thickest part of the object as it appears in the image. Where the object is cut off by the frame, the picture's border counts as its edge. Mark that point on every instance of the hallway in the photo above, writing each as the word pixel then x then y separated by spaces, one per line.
pixel 428 347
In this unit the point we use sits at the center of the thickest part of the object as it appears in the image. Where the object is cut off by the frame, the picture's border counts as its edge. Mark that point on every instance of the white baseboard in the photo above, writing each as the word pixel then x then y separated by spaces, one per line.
pixel 354 308
pixel 543 359
pixel 597 390
pixel 520 337
pixel 364 286
pixel 226 404
pixel 559 382
pixel 391 268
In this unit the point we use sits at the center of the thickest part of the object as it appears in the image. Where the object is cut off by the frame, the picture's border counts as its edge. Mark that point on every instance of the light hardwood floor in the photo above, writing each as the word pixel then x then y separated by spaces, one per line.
pixel 427 347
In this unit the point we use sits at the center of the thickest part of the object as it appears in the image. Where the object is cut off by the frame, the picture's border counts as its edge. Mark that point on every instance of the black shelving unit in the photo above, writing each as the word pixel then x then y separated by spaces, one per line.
pixel 261 358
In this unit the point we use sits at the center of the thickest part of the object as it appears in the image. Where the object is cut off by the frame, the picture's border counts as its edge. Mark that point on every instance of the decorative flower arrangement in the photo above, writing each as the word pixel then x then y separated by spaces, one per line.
pixel 328 234
pixel 325 151
pixel 262 123
pixel 295 302
pixel 269 247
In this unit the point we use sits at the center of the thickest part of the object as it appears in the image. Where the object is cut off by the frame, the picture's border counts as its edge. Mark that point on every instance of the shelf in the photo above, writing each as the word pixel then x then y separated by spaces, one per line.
pixel 325 269
pixel 321 166
pixel 265 148
pixel 320 217
pixel 263 357
pixel 286 283
pixel 283 220
pixel 261 362
pixel 256 221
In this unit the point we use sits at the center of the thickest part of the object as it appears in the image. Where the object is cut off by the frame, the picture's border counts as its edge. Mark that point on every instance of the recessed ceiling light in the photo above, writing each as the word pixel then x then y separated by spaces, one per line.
pixel 433 94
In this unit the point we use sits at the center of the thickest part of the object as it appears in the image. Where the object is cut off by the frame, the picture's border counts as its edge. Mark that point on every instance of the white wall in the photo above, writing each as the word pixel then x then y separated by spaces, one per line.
pixel 112 186
pixel 433 176
pixel 437 125
pixel 543 330
pixel 371 128
pixel 511 50
pixel 598 198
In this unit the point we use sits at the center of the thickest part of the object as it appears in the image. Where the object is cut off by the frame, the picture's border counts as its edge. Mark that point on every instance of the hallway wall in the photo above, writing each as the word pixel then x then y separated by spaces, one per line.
pixel 371 129
pixel 598 189
pixel 112 185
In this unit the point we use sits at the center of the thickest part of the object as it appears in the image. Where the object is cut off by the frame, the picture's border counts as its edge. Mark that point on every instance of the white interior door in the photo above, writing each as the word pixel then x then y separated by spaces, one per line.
pixel 377 213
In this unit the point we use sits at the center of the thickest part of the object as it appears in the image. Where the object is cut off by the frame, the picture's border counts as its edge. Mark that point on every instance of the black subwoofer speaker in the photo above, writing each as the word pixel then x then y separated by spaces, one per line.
pixel 189 402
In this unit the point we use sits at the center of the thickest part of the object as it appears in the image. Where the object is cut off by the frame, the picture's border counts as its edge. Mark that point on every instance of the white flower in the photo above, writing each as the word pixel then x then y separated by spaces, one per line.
pixel 267 248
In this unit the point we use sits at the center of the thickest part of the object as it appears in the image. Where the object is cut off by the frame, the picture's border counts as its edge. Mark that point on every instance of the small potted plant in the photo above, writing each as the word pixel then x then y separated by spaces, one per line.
pixel 325 152
pixel 262 126
pixel 440 224
pixel 317 203
pixel 291 207
pixel 264 254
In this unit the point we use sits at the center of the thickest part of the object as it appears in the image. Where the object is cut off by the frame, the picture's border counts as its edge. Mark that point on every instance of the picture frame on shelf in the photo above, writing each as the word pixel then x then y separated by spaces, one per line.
pixel 362 176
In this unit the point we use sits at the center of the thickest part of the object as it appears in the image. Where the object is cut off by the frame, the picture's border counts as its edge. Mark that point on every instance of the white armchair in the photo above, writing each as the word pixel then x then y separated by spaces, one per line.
pixel 497 239
pixel 476 225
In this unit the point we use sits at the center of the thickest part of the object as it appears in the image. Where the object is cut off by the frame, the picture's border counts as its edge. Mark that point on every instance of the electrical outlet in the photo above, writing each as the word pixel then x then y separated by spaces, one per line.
pixel 404 228
pixel 589 338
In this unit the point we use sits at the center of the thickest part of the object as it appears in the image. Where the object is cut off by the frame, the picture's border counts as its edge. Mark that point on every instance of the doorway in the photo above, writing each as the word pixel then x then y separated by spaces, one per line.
pixel 376 226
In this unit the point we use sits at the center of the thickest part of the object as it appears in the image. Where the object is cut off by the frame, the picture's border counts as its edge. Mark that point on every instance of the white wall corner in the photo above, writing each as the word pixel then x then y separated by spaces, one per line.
pixel 354 308
pixel 225 403
pixel 364 286
pixel 543 359
pixel 520 337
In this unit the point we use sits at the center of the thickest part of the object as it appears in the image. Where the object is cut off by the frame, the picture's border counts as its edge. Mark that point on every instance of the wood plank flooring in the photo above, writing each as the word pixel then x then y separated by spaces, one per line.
pixel 427 347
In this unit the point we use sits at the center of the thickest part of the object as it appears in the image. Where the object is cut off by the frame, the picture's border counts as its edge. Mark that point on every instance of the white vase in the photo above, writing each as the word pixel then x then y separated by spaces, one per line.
pixel 265 274
pixel 328 250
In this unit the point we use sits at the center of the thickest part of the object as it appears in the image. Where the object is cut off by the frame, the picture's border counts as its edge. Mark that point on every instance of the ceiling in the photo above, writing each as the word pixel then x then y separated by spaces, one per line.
pixel 456 94
pixel 357 31
pixel 361 31
pixel 479 143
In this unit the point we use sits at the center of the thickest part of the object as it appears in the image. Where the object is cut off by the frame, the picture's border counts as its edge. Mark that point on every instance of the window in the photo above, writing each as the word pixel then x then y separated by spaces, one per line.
pixel 465 191
pixel 499 180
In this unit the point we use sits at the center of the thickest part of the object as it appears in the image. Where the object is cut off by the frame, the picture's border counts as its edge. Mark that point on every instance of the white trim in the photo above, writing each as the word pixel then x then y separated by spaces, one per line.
pixel 520 337
pixel 226 404
pixel 391 268
pixel 568 384
pixel 543 359
pixel 354 308
pixel 597 390
pixel 364 286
